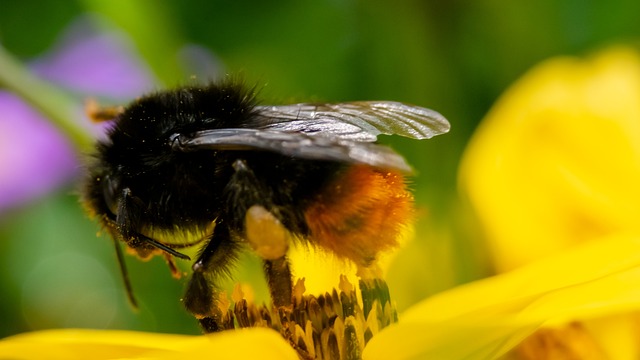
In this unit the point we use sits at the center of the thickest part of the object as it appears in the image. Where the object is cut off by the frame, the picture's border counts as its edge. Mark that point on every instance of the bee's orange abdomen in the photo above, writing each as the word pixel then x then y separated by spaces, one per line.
pixel 361 213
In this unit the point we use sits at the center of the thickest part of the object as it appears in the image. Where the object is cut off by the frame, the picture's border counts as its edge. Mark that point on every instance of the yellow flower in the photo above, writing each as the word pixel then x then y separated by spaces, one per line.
pixel 554 167
pixel 556 162
pixel 70 344
pixel 488 318
pixel 482 320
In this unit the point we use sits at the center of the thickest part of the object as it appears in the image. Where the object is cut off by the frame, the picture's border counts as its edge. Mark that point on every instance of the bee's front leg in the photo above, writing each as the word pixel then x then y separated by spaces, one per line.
pixel 201 297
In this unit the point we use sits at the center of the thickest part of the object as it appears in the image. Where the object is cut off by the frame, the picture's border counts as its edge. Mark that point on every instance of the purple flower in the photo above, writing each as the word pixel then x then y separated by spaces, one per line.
pixel 34 157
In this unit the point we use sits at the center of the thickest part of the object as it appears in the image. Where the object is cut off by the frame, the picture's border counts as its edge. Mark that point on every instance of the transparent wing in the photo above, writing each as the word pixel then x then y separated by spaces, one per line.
pixel 294 144
pixel 357 121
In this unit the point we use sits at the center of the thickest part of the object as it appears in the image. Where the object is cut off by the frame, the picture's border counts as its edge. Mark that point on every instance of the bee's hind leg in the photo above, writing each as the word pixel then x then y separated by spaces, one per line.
pixel 279 280
pixel 250 215
pixel 264 232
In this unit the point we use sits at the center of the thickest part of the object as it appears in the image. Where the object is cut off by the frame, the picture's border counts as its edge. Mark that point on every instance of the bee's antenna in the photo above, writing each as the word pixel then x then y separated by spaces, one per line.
pixel 164 247
pixel 125 274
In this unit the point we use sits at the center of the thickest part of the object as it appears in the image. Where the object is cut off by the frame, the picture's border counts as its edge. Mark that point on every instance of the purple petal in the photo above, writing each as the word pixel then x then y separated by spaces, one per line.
pixel 96 64
pixel 34 157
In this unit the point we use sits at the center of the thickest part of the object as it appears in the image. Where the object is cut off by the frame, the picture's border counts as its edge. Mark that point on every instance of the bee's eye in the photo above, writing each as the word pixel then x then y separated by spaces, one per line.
pixel 109 190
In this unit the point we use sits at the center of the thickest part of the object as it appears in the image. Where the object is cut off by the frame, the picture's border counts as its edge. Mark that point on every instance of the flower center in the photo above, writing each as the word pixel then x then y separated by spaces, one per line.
pixel 333 325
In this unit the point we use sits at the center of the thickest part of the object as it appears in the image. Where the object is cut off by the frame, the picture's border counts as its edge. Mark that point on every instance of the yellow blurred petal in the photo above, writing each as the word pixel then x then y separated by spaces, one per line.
pixel 584 264
pixel 617 335
pixel 570 341
pixel 450 340
pixel 557 160
pixel 486 318
pixel 84 344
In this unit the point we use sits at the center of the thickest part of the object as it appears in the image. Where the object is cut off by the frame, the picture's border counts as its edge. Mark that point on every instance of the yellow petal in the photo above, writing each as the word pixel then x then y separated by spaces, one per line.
pixel 556 162
pixel 451 340
pixel 104 344
pixel 487 318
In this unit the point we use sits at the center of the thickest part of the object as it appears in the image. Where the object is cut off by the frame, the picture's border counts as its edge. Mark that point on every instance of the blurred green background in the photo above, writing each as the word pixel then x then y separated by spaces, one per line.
pixel 453 56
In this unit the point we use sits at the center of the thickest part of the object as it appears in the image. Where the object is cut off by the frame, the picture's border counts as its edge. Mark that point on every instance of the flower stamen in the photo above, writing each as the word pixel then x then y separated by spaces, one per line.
pixel 333 325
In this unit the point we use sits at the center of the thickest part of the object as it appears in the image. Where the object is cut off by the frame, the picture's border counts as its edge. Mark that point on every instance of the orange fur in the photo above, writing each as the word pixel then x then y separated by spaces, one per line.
pixel 361 213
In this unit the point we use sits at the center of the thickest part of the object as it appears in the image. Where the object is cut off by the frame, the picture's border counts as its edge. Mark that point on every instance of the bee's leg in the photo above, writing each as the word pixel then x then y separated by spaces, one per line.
pixel 125 274
pixel 201 296
pixel 265 233
pixel 279 280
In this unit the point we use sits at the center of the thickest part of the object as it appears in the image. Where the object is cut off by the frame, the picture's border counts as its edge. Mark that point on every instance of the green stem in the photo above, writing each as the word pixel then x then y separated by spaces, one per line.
pixel 59 107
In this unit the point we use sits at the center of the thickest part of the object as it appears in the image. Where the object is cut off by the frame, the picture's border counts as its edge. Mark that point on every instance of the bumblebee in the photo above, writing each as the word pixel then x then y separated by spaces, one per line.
pixel 208 166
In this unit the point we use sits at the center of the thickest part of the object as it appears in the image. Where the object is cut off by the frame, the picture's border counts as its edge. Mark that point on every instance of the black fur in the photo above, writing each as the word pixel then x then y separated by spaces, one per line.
pixel 174 162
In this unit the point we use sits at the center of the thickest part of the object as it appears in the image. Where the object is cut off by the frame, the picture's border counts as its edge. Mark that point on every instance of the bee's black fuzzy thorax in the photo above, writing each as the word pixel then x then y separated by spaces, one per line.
pixel 146 125
pixel 189 108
